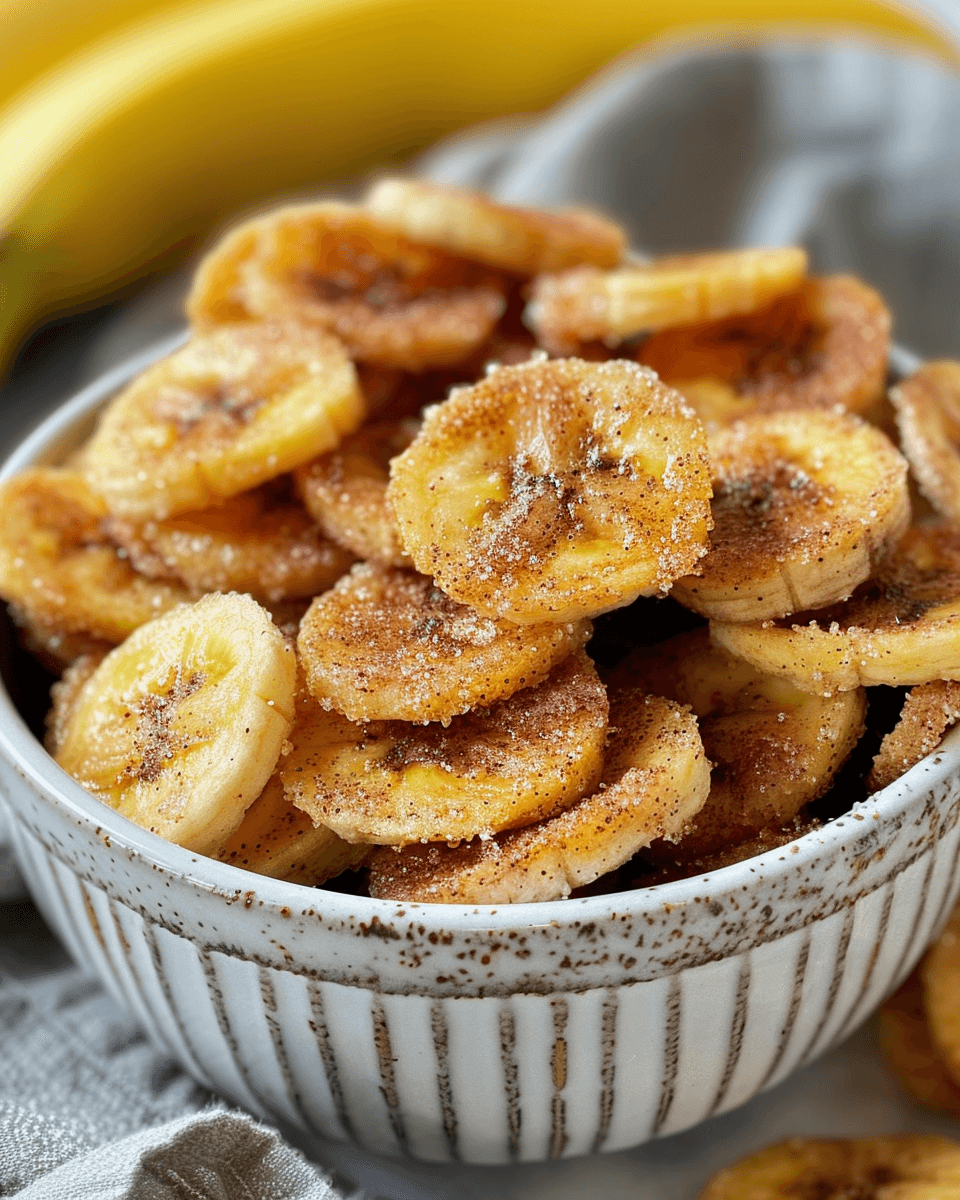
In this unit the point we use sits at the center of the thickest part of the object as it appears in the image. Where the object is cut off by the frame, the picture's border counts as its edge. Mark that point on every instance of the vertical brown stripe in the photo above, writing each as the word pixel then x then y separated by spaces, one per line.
pixel 160 974
pixel 836 979
pixel 799 975
pixel 215 992
pixel 910 946
pixel 268 995
pixel 558 1069
pixel 136 984
pixel 441 1043
pixel 945 904
pixel 872 963
pixel 321 1031
pixel 671 1055
pixel 388 1076
pixel 608 1062
pixel 67 926
pixel 508 1035
pixel 737 1025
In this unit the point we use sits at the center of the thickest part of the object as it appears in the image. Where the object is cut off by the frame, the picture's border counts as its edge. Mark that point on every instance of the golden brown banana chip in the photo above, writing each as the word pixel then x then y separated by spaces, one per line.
pixel 908 1048
pixel 345 491
pixel 391 782
pixel 262 542
pixel 391 302
pixel 905 1167
pixel 822 345
pixel 940 972
pixel 805 505
pixel 64 695
pixel 228 411
pixel 929 709
pixel 773 747
pixel 59 568
pixel 928 415
pixel 520 240
pixel 278 840
pixel 900 627
pixel 387 644
pixel 585 304
pixel 655 778
pixel 555 490
pixel 180 727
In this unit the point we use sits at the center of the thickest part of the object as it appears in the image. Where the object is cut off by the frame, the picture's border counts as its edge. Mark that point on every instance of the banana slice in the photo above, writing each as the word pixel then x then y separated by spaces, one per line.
pixel 59 567
pixel 928 415
pixel 906 1044
pixel 655 778
pixel 906 1167
pixel 229 411
pixel 520 240
pixel 900 627
pixel 345 491
pixel 585 304
pixel 774 748
pixel 262 542
pixel 555 490
pixel 54 647
pixel 805 505
pixel 279 840
pixel 180 727
pixel 929 709
pixel 391 782
pixel 823 345
pixel 940 972
pixel 386 644
pixel 391 302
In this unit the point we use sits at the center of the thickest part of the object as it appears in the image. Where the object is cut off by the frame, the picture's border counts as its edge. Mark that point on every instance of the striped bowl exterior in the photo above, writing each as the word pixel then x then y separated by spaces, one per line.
pixel 496 1078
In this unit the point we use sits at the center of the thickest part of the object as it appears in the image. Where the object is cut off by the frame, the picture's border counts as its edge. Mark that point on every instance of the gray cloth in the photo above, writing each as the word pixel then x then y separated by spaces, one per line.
pixel 851 149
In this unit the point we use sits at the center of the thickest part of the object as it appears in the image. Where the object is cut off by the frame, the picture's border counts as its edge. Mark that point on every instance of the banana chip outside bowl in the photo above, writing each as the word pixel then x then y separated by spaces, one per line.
pixel 481 1034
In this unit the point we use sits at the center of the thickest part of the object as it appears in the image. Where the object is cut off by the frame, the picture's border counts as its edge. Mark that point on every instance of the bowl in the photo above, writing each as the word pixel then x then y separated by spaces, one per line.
pixel 480 1034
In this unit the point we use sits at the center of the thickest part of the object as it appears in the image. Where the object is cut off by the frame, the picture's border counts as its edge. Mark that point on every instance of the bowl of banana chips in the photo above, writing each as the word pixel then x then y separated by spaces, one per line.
pixel 480 696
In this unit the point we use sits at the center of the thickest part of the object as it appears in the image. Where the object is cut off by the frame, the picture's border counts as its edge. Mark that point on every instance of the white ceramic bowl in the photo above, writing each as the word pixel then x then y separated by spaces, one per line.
pixel 484 1034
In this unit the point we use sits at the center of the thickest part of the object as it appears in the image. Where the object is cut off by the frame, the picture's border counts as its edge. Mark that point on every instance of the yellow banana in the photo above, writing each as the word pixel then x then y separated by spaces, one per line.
pixel 134 144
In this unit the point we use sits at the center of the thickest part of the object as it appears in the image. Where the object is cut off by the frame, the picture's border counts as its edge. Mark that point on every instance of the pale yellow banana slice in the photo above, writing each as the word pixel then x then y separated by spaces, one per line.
pixel 555 490
pixel 655 778
pixel 387 644
pixel 181 726
pixel 346 491
pixel 900 627
pixel 903 1167
pixel 262 542
pixel 773 747
pixel 805 505
pixel 59 567
pixel 521 240
pixel 227 412
pixel 928 415
pixel 940 973
pixel 278 840
pixel 392 783
pixel 586 304
pixel 392 302
pixel 929 709
pixel 906 1044
pixel 822 345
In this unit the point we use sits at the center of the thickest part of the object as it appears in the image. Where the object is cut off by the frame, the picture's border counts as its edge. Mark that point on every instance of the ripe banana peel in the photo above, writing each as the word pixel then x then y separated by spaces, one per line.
pixel 132 145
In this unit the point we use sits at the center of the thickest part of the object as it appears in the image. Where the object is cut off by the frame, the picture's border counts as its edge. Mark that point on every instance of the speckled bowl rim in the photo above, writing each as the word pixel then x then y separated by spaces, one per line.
pixel 57 433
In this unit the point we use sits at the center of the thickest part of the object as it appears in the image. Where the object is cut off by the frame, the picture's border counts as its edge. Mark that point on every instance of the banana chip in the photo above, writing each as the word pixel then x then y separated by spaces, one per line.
pixel 180 727
pixel 805 505
pixel 905 1041
pixel 555 490
pixel 389 645
pixel 929 709
pixel 392 302
pixel 585 304
pixel 391 782
pixel 655 778
pixel 229 411
pixel 927 405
